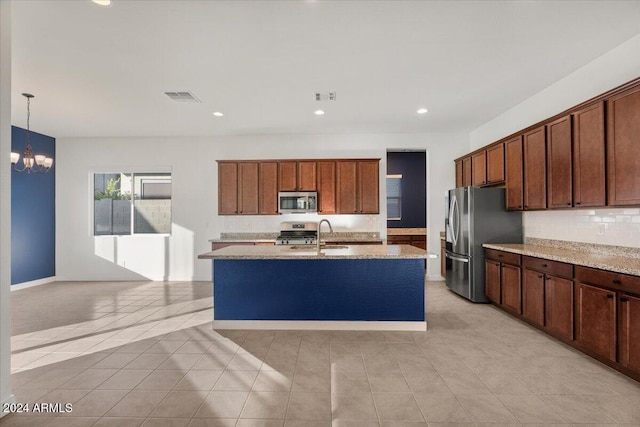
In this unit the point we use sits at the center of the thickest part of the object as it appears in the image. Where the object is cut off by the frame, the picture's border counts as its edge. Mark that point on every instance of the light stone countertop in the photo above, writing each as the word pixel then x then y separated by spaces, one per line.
pixel 406 231
pixel 616 259
pixel 300 252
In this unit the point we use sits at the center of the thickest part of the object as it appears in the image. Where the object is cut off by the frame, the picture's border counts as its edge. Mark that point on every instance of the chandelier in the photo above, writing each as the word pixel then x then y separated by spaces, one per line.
pixel 38 163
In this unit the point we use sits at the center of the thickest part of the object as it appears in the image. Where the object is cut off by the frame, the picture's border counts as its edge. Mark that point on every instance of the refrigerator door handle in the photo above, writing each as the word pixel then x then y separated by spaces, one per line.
pixel 450 222
pixel 455 258
pixel 456 217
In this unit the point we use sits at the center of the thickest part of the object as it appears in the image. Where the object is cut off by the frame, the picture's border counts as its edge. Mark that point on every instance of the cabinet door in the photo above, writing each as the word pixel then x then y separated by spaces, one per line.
pixel 248 188
pixel 588 156
pixel 479 168
pixel 559 175
pixel 533 296
pixel 466 172
pixel 492 280
pixel 459 173
pixel 287 176
pixel 368 187
pixel 227 188
pixel 346 183
pixel 535 170
pixel 623 148
pixel 307 176
pixel 514 178
pixel 511 288
pixel 495 164
pixel 596 320
pixel 630 332
pixel 268 193
pixel 558 308
pixel 327 187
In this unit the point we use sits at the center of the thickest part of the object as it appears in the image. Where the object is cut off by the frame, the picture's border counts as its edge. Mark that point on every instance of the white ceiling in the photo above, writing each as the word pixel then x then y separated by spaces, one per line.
pixel 99 71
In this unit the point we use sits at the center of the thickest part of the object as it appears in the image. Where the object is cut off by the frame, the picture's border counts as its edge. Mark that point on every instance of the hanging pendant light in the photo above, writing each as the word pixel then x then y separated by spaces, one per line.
pixel 38 163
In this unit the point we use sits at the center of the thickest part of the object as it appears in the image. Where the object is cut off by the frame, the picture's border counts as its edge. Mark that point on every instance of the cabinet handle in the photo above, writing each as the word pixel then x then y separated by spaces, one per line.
pixel 610 296
pixel 569 203
pixel 499 256
pixel 539 276
pixel 578 203
pixel 616 282
pixel 623 299
pixel 545 265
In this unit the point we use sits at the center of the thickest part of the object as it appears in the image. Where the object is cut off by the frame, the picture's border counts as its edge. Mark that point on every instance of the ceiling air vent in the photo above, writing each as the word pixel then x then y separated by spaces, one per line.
pixel 182 96
pixel 326 96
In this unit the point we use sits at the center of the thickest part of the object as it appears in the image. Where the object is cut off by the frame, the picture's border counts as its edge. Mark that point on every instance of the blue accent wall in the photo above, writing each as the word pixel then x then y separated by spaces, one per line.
pixel 413 167
pixel 33 213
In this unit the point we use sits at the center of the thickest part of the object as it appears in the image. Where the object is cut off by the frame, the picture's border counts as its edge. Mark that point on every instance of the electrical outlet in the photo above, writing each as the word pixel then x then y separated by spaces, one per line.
pixel 600 229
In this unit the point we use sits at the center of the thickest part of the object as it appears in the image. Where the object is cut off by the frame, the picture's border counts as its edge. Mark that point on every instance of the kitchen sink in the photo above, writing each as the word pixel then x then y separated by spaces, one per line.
pixel 312 248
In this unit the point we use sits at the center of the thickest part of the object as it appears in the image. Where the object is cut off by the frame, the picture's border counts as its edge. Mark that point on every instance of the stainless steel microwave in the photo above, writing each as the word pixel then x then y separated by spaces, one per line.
pixel 297 202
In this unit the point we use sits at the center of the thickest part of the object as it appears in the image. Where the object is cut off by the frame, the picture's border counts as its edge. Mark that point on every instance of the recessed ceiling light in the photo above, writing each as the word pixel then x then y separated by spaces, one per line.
pixel 218 114
pixel 102 2
pixel 318 112
pixel 422 111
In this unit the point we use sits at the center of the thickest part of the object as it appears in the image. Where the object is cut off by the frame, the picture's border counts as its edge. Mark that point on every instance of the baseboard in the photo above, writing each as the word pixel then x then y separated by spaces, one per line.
pixel 436 278
pixel 321 325
pixel 8 400
pixel 33 283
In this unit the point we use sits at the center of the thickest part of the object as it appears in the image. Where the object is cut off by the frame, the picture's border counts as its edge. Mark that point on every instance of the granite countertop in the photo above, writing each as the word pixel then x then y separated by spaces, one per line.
pixel 406 231
pixel 338 236
pixel 301 252
pixel 611 258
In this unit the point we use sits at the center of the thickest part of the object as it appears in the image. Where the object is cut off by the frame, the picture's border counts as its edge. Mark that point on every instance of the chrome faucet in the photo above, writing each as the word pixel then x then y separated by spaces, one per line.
pixel 319 228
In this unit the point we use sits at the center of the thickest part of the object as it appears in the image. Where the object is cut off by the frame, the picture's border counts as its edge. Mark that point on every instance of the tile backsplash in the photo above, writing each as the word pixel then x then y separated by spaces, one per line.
pixel 606 226
pixel 271 223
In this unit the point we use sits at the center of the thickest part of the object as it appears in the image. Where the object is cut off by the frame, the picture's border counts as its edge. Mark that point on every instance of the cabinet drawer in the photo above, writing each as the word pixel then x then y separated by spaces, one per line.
pixel 506 257
pixel 546 266
pixel 608 279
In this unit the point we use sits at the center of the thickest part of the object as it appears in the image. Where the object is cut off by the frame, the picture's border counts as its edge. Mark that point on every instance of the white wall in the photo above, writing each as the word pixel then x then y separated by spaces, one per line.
pixel 612 69
pixel 604 226
pixel 80 256
pixel 5 202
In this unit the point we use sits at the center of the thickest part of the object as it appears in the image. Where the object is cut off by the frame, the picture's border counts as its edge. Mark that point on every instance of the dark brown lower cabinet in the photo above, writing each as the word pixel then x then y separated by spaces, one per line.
pixel 511 291
pixel 629 332
pixel 533 296
pixel 596 320
pixel 492 281
pixel 558 306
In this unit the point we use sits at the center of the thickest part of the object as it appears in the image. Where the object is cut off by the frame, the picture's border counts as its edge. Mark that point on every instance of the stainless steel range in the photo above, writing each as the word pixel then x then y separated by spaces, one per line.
pixel 297 233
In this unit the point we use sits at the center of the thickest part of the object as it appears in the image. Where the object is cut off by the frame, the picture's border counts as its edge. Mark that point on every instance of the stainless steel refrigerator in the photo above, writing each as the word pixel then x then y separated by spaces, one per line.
pixel 475 216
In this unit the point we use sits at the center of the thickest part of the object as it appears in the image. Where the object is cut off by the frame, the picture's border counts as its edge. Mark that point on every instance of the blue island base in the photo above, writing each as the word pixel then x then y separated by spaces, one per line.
pixel 383 294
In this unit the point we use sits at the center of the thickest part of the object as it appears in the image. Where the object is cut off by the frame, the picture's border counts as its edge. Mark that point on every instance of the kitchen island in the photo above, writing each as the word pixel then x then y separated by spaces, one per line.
pixel 358 287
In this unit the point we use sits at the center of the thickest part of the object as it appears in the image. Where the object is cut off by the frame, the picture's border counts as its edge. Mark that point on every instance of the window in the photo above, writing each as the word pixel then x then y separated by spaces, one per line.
pixel 131 203
pixel 394 197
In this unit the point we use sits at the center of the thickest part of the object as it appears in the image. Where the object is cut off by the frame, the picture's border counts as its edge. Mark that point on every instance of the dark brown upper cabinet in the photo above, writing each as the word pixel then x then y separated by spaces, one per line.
pixel 495 164
pixel 227 188
pixel 479 168
pixel 514 174
pixel 327 187
pixel 268 194
pixel 559 176
pixel 466 172
pixel 248 188
pixel 623 148
pixel 297 176
pixel 589 157
pixel 357 183
pixel 535 169
pixel 459 182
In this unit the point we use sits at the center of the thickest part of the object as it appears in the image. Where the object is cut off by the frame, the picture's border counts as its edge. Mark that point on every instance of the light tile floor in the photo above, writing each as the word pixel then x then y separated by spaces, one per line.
pixel 144 354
